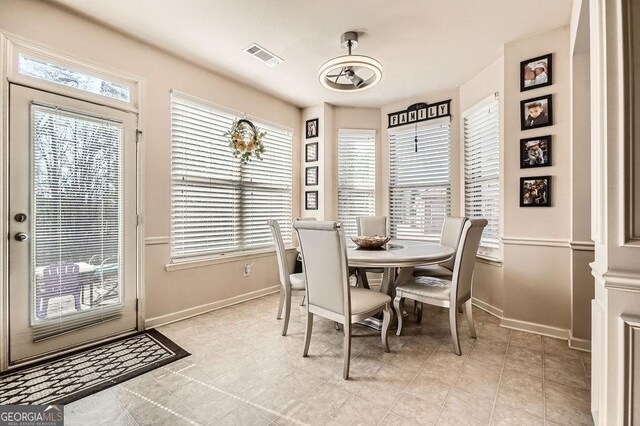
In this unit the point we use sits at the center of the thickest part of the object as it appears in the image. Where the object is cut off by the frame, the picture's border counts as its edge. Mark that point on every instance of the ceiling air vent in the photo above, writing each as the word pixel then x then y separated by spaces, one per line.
pixel 263 55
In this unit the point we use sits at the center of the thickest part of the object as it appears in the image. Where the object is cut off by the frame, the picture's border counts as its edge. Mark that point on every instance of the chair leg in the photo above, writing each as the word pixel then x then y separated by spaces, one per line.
pixel 280 304
pixel 453 323
pixel 347 349
pixel 287 313
pixel 303 299
pixel 387 313
pixel 419 313
pixel 467 308
pixel 307 334
pixel 397 303
pixel 460 309
pixel 337 325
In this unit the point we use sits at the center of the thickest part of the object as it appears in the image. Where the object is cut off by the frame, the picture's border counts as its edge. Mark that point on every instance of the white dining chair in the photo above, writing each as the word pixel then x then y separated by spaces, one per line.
pixel 370 226
pixel 452 293
pixel 289 283
pixel 450 236
pixel 329 294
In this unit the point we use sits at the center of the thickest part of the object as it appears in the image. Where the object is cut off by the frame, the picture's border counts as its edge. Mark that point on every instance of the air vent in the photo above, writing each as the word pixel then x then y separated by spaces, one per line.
pixel 263 55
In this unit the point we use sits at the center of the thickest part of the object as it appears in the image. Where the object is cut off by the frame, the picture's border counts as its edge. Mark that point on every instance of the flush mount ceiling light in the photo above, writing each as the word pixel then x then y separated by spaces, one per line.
pixel 350 73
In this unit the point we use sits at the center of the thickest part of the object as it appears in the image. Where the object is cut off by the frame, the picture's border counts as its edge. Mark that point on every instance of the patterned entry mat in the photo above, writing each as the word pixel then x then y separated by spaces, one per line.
pixel 73 376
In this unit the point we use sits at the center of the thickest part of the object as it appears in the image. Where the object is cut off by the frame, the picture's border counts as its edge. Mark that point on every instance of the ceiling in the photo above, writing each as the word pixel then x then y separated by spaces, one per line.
pixel 424 45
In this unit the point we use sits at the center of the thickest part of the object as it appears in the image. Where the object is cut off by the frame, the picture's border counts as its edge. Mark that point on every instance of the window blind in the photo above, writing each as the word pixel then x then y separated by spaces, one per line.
pixel 419 182
pixel 482 170
pixel 356 177
pixel 219 205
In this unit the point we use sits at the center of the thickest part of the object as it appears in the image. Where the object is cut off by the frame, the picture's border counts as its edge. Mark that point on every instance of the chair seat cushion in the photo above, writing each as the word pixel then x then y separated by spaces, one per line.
pixel 363 300
pixel 434 288
pixel 297 281
pixel 432 271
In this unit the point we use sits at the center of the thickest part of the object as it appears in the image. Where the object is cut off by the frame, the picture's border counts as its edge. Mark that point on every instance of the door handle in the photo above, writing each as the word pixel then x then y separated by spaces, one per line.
pixel 21 236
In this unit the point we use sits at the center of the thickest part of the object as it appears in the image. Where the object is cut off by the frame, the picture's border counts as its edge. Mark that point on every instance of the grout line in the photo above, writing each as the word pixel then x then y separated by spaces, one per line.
pixel 504 362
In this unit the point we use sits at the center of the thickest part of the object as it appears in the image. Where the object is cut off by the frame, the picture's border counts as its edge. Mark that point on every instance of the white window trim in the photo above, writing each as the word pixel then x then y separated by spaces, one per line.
pixel 491 256
pixel 223 258
pixel 16 45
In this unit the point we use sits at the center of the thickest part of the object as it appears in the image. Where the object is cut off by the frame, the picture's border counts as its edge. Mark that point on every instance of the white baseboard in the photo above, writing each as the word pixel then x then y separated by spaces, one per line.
pixel 580 344
pixel 496 312
pixel 531 327
pixel 197 310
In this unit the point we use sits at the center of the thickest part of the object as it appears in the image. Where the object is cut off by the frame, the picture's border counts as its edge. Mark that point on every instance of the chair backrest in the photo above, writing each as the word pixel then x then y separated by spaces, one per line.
pixel 451 232
pixel 369 226
pixel 61 277
pixel 295 237
pixel 283 266
pixel 466 258
pixel 324 256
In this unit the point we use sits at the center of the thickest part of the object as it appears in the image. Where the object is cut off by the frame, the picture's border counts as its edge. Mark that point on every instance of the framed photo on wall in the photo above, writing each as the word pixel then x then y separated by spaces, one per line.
pixel 311 200
pixel 311 128
pixel 535 73
pixel 536 112
pixel 535 191
pixel 311 176
pixel 535 152
pixel 311 152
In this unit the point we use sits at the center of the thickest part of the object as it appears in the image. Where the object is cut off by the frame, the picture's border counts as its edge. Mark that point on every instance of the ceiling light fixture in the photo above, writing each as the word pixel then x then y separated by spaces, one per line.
pixel 350 73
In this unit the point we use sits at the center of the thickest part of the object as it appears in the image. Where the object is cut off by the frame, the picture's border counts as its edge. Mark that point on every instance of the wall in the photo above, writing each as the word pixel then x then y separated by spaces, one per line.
pixel 168 294
pixel 537 254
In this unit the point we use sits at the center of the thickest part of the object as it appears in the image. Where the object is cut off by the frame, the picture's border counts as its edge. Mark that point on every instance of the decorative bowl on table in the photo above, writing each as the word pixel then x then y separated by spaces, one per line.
pixel 370 242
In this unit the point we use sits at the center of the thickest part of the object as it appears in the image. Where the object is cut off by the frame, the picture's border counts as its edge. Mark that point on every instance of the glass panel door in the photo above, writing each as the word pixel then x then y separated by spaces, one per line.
pixel 73 202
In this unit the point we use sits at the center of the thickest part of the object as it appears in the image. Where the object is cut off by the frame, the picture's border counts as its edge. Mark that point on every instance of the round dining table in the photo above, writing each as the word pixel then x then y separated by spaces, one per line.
pixel 397 259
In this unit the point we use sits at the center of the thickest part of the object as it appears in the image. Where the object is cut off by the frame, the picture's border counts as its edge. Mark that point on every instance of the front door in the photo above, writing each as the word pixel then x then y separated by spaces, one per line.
pixel 72 223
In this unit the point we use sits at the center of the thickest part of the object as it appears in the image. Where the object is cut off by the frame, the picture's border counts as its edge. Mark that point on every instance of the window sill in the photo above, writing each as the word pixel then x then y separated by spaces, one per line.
pixel 224 258
pixel 493 261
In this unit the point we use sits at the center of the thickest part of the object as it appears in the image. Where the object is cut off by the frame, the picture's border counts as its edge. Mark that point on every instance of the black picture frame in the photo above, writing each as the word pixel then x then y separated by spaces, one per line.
pixel 311 152
pixel 541 197
pixel 528 68
pixel 311 200
pixel 545 117
pixel 311 128
pixel 536 152
pixel 311 176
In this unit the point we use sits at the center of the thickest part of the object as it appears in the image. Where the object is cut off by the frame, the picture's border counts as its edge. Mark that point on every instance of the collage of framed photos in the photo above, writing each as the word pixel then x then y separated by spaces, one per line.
pixel 311 173
pixel 535 191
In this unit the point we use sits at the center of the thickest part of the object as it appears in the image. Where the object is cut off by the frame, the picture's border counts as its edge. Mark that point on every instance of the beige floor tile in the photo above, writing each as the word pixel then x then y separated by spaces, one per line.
pixel 567 406
pixel 102 408
pixel 443 371
pixel 301 413
pixel 525 360
pixel 357 411
pixel 508 416
pixel 489 352
pixel 521 391
pixel 327 397
pixel 413 356
pixel 395 420
pixel 429 389
pixel 526 340
pixel 479 379
pixel 494 333
pixel 452 418
pixel 565 371
pixel 469 406
pixel 415 409
pixel 559 347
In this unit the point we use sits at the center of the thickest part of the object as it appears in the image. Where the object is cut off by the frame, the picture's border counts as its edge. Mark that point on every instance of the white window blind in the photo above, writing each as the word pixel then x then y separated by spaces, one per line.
pixel 356 176
pixel 219 205
pixel 482 170
pixel 419 182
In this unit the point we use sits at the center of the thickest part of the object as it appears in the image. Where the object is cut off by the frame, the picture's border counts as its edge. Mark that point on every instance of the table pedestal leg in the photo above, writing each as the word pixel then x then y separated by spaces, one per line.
pixel 390 278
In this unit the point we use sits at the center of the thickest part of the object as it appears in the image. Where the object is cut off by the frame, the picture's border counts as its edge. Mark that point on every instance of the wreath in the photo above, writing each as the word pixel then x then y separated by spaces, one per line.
pixel 245 140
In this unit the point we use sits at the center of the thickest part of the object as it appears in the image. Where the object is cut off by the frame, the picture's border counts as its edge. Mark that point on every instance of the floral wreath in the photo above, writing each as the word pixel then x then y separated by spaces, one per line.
pixel 245 140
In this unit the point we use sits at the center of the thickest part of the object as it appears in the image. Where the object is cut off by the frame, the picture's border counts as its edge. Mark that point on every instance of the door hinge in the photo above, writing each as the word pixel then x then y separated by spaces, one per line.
pixel 137 304
pixel 138 220
pixel 138 135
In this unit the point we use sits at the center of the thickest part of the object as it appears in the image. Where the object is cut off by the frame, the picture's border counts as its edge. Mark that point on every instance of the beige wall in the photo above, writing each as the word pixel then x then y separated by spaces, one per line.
pixel 166 292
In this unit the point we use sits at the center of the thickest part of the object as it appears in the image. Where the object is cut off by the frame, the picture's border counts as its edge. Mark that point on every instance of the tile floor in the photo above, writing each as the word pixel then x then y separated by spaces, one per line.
pixel 243 372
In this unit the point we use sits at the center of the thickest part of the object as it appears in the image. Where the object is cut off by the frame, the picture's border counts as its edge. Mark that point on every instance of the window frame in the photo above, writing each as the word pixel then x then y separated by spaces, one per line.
pixel 493 254
pixel 212 258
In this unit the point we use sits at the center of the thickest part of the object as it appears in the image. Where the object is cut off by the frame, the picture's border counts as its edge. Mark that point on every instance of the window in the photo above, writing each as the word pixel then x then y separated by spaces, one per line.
pixel 53 73
pixel 482 170
pixel 219 205
pixel 356 176
pixel 419 180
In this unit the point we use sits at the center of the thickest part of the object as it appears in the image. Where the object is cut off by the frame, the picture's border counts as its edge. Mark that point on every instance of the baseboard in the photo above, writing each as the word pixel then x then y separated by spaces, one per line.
pixel 580 344
pixel 496 312
pixel 208 307
pixel 545 330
